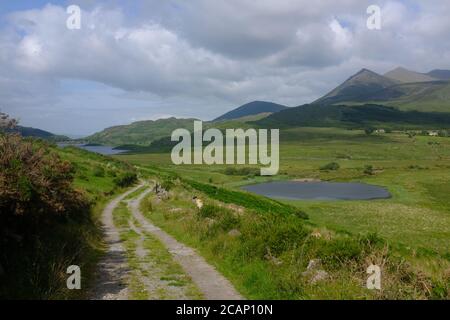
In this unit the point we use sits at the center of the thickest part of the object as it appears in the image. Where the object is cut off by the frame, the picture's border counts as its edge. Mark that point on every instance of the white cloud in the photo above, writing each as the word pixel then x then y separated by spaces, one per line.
pixel 199 57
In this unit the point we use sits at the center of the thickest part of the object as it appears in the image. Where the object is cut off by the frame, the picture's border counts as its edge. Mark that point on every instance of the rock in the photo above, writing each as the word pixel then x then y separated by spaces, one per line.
pixel 234 233
pixel 161 193
pixel 320 275
pixel 239 210
pixel 274 260
pixel 314 273
pixel 314 264
pixel 198 202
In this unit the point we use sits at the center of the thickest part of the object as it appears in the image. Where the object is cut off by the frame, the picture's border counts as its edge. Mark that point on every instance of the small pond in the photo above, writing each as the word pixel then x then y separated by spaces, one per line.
pixel 294 190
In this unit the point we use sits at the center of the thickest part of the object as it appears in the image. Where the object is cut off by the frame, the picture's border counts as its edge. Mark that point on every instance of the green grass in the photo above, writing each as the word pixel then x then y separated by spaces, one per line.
pixel 99 190
pixel 415 222
pixel 268 256
pixel 156 266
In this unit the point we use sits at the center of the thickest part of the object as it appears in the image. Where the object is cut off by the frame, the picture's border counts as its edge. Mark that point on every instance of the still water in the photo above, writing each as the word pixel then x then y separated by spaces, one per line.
pixel 105 150
pixel 294 190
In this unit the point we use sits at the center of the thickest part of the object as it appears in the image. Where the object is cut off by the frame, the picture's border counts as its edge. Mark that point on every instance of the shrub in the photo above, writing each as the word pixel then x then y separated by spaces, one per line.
pixel 330 166
pixel 338 252
pixel 208 211
pixel 368 169
pixel 125 179
pixel 167 184
pixel 98 171
pixel 274 233
pixel 245 171
pixel 43 220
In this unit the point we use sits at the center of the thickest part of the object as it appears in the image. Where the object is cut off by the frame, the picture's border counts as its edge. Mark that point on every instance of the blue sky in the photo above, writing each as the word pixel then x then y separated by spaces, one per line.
pixel 148 59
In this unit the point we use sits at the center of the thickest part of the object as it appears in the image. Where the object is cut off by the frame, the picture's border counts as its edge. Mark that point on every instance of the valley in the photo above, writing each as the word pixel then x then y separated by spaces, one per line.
pixel 283 247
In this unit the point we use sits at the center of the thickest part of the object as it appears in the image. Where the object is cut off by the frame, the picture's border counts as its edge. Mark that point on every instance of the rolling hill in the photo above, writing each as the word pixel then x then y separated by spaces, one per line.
pixel 440 74
pixel 139 133
pixel 369 115
pixel 251 109
pixel 37 133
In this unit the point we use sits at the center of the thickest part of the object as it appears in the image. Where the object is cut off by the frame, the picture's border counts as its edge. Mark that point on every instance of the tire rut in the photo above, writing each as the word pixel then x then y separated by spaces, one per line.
pixel 212 284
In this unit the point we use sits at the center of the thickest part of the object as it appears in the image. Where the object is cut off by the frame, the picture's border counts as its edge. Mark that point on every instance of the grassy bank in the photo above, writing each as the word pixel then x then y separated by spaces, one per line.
pixel 414 223
pixel 266 255
pixel 62 231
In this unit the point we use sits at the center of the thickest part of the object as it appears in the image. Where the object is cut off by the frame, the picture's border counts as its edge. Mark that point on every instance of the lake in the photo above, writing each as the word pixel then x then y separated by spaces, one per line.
pixel 294 190
pixel 105 150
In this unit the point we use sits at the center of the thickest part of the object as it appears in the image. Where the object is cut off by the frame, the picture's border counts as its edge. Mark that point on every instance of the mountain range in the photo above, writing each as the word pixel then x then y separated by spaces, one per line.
pixel 400 96
pixel 396 89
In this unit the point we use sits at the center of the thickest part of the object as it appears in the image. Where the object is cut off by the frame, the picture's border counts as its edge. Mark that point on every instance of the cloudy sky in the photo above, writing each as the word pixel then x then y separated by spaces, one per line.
pixel 136 60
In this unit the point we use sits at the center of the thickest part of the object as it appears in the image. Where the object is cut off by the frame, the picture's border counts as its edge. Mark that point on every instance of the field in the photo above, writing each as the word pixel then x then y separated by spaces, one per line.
pixel 415 222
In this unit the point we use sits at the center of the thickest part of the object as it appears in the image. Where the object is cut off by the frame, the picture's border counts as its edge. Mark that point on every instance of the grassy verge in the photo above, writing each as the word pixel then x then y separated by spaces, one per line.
pixel 266 255
pixel 50 239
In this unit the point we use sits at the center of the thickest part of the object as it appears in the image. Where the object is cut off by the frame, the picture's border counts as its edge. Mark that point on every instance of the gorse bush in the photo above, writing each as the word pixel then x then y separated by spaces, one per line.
pixel 245 171
pixel 38 205
pixel 125 179
pixel 34 183
pixel 330 166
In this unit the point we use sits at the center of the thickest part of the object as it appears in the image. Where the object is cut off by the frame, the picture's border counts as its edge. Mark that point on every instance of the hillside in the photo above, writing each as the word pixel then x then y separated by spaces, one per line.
pixel 440 74
pixel 139 133
pixel 421 96
pixel 355 117
pixel 357 87
pixel 37 133
pixel 251 109
pixel 424 96
pixel 51 198
pixel 367 87
pixel 407 76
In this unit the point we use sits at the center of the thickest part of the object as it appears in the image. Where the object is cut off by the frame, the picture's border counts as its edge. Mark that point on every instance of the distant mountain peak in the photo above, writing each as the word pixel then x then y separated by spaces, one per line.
pixel 404 75
pixel 364 82
pixel 363 70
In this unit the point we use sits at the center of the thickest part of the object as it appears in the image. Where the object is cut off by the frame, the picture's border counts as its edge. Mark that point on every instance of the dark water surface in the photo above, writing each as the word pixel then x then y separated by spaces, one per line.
pixel 294 190
pixel 105 150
